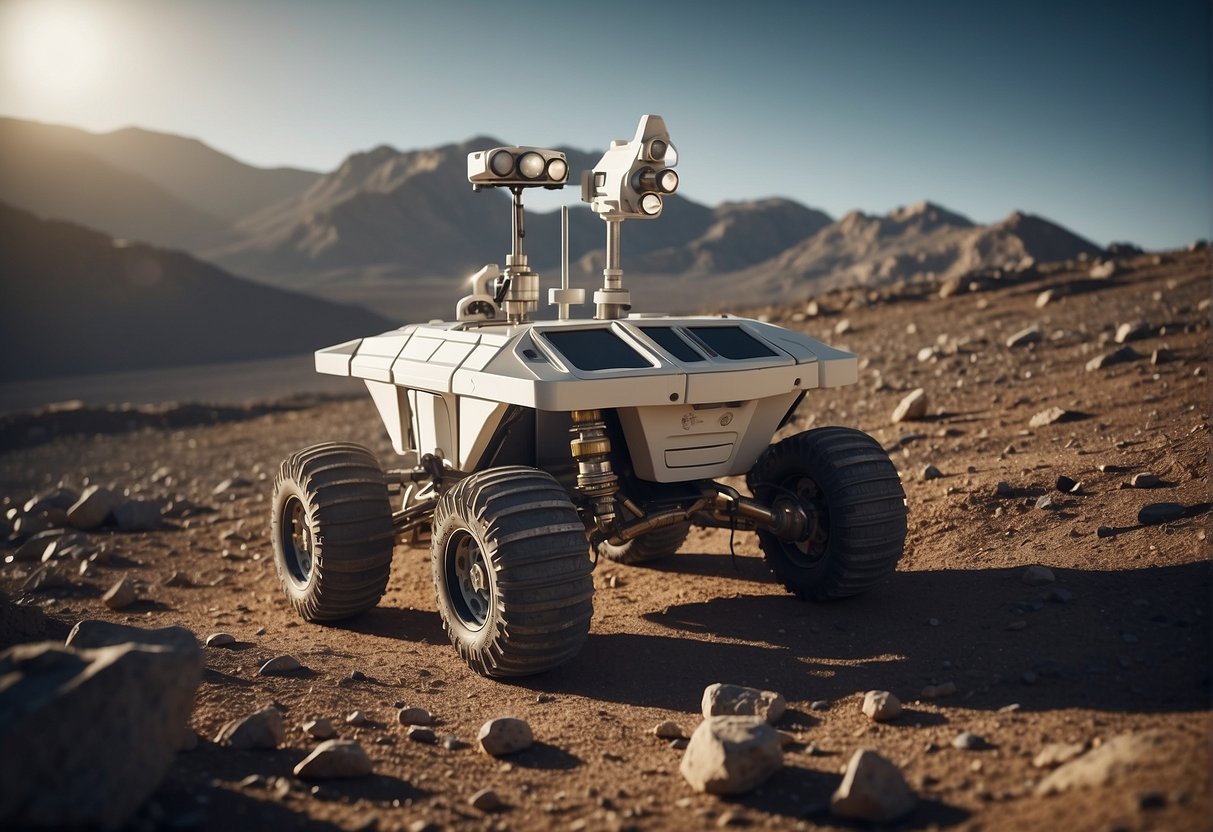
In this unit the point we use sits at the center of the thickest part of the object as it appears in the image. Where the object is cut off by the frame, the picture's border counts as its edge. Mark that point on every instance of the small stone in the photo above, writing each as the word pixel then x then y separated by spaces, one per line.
pixel 1148 801
pixel 1044 501
pixel 881 706
pixel 1145 480
pixel 262 729
pixel 357 676
pixel 178 579
pixel 930 472
pixel 1031 335
pixel 734 700
pixel 1104 270
pixel 319 729
pixel 1037 575
pixel 417 733
pixel 1162 355
pixel 451 742
pixel 486 800
pixel 731 754
pixel 220 640
pixel 967 741
pixel 1066 485
pixel 1050 417
pixel 668 730
pixel 1155 514
pixel 356 718
pixel 415 716
pixel 1132 332
pixel 872 789
pixel 913 406
pixel 1105 531
pixel 504 735
pixel 1004 489
pixel 819 705
pixel 232 484
pixel 1121 356
pixel 120 596
pixel 1045 298
pixel 938 691
pixel 280 666
pixel 1057 753
pixel 93 508
pixel 334 759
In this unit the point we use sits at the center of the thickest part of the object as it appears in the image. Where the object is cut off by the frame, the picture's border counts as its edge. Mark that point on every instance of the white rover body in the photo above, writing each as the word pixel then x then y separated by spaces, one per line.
pixel 522 441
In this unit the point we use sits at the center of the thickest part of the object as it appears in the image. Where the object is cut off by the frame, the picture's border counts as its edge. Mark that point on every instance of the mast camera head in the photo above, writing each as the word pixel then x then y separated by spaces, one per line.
pixel 526 167
pixel 632 178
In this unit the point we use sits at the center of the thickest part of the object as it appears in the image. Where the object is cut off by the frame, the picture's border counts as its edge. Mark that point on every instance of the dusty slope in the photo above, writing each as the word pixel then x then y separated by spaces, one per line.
pixel 1129 650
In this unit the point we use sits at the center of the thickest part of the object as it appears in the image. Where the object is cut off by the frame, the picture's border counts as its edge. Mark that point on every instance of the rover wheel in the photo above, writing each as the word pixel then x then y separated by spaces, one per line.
pixel 658 543
pixel 856 507
pixel 332 530
pixel 511 572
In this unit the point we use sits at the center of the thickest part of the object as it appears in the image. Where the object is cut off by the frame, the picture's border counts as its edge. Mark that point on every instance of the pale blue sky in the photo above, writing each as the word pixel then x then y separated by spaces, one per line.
pixel 1096 115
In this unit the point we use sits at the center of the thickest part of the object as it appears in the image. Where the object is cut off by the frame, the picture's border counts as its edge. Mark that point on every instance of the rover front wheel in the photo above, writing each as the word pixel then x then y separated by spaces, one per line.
pixel 511 573
pixel 331 530
pixel 852 495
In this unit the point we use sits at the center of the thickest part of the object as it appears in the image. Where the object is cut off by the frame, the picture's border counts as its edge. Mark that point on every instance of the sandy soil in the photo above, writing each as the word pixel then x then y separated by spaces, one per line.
pixel 1129 650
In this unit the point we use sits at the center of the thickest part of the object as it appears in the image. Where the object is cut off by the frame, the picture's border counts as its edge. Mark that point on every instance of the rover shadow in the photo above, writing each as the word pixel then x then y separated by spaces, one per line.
pixel 1117 640
pixel 710 565
pixel 422 626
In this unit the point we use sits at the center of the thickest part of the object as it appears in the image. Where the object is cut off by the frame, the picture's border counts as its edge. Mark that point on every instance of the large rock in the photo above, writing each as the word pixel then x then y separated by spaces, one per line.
pixel 873 789
pixel 262 729
pixel 94 507
pixel 734 700
pixel 1116 758
pixel 21 622
pixel 731 754
pixel 92 633
pixel 86 735
pixel 334 759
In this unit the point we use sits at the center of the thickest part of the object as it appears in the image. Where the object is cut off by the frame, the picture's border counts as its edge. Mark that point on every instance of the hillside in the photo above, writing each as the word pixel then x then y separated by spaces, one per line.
pixel 44 170
pixel 77 301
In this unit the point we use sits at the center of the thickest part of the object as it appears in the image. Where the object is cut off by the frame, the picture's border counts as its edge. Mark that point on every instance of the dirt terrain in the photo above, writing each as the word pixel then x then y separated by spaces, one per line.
pixel 1118 643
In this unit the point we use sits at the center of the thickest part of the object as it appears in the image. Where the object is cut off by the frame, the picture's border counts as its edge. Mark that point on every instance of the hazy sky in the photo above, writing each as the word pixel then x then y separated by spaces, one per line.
pixel 1096 115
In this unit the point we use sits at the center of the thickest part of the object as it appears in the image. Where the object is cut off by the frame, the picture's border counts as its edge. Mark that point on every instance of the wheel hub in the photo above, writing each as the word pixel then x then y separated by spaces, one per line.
pixel 467 581
pixel 476 574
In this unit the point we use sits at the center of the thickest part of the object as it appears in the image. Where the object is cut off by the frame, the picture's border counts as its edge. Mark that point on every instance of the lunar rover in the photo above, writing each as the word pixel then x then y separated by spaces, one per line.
pixel 529 448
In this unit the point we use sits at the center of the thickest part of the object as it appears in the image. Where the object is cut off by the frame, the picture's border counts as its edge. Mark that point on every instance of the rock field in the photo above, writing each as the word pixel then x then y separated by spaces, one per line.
pixel 1041 658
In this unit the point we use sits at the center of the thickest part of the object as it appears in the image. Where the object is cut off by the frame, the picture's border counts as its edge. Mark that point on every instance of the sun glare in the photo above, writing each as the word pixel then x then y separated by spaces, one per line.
pixel 53 48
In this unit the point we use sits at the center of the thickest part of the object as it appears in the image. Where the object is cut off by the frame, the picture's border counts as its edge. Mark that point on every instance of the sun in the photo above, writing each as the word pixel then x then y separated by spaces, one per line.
pixel 53 48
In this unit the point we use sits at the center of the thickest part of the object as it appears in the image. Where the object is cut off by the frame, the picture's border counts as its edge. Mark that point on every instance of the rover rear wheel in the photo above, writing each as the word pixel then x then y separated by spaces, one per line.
pixel 658 543
pixel 331 530
pixel 853 497
pixel 511 573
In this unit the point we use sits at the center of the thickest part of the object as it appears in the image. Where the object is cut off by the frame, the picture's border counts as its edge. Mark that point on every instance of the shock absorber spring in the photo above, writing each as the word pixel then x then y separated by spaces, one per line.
pixel 591 448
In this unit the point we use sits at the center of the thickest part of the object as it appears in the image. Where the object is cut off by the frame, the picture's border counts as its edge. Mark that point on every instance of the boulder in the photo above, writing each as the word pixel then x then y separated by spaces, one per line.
pixel 734 700
pixel 334 759
pixel 1156 514
pixel 92 633
pixel 731 754
pixel 86 735
pixel 1116 758
pixel 873 789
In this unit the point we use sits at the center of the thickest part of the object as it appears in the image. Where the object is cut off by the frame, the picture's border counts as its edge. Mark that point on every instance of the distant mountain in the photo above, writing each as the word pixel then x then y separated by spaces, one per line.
pixel 77 302
pixel 136 184
pixel 57 179
pixel 922 241
pixel 414 214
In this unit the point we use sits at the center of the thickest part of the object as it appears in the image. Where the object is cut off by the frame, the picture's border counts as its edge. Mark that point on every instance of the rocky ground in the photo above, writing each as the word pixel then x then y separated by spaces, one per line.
pixel 1030 448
